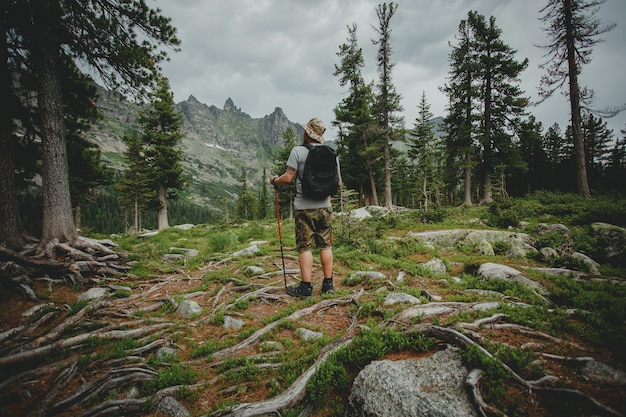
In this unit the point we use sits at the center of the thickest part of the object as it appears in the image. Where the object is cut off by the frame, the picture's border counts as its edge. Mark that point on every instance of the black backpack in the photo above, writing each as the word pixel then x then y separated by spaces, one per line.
pixel 320 178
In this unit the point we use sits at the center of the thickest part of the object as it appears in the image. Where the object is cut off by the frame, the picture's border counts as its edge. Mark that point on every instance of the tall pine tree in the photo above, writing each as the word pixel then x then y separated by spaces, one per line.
pixel 597 138
pixel 387 101
pixel 135 187
pixel 461 120
pixel 356 148
pixel 104 37
pixel 500 97
pixel 161 137
pixel 424 153
pixel 572 33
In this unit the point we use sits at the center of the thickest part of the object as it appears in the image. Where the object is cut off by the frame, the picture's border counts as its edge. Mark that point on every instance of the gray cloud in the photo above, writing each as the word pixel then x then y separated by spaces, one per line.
pixel 278 53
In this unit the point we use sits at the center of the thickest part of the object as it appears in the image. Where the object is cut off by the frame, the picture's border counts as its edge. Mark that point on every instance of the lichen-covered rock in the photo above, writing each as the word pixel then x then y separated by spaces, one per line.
pixel 233 323
pixel 432 386
pixel 361 277
pixel 170 407
pixel 436 266
pixel 490 270
pixel 188 308
pixel 96 293
pixel 613 241
pixel 400 297
pixel 518 244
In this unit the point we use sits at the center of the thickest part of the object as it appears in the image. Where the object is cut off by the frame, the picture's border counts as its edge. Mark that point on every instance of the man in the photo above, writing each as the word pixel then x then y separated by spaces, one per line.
pixel 313 216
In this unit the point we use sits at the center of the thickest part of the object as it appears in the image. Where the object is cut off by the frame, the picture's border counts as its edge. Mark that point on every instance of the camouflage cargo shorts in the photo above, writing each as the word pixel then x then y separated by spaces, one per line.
pixel 314 224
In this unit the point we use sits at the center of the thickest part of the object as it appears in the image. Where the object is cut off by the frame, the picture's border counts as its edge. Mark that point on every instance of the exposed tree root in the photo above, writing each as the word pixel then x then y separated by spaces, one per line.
pixel 38 353
pixel 79 261
pixel 472 381
pixel 293 317
pixel 454 337
pixel 289 398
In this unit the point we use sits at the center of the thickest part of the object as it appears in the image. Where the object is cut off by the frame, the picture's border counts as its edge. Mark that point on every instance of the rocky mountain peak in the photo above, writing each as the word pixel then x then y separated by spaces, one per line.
pixel 230 105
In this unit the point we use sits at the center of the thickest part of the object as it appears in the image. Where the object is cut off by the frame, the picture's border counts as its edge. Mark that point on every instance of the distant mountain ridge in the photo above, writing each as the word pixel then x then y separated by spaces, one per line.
pixel 218 147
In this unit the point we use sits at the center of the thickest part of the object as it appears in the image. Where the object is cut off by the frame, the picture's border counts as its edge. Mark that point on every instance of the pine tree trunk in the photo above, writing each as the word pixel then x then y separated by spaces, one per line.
pixel 467 195
pixel 10 222
pixel 487 142
pixel 77 216
pixel 388 196
pixel 136 224
pixel 373 192
pixel 574 94
pixel 162 215
pixel 57 222
pixel 425 193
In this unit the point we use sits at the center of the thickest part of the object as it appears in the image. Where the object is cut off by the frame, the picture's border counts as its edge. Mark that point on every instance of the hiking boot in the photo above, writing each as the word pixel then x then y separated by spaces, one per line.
pixel 327 286
pixel 302 291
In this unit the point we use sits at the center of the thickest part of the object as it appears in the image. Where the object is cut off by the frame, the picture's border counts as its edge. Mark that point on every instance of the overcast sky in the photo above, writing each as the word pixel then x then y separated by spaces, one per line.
pixel 281 53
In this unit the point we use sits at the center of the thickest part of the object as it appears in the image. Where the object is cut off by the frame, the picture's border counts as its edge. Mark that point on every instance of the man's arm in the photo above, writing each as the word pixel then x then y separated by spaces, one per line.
pixel 285 179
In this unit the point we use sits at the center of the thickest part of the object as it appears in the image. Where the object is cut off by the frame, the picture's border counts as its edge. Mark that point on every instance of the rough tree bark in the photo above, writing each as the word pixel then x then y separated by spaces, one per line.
pixel 10 222
pixel 162 221
pixel 574 94
pixel 57 221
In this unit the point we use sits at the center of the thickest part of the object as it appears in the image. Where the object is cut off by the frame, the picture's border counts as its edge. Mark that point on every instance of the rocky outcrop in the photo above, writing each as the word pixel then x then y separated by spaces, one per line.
pixel 517 244
pixel 431 387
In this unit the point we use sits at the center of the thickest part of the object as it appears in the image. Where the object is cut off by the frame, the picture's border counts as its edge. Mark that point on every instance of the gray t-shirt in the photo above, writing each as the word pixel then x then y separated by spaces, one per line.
pixel 296 160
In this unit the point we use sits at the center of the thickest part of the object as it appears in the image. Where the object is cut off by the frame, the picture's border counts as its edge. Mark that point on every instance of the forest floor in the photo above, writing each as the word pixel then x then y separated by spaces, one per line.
pixel 69 358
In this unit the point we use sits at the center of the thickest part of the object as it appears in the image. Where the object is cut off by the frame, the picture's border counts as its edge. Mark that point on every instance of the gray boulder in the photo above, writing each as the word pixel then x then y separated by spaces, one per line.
pixel 360 277
pixel 603 374
pixel 96 293
pixel 548 253
pixel 249 251
pixel 424 310
pixel 518 243
pixel 186 252
pixel 546 228
pixel 308 335
pixel 400 297
pixel 588 262
pixel 614 238
pixel 186 226
pixel 436 266
pixel 232 323
pixel 173 257
pixel 165 353
pixel 490 270
pixel 430 387
pixel 188 308
pixel 170 407
pixel 484 248
pixel 441 238
pixel 252 270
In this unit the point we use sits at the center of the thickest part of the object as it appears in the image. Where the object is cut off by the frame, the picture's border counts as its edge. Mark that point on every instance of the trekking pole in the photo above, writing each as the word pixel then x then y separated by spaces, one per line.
pixel 280 236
